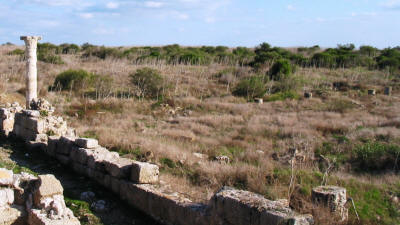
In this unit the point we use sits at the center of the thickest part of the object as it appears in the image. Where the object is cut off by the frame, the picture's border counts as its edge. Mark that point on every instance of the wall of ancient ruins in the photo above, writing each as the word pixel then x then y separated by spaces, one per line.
pixel 137 182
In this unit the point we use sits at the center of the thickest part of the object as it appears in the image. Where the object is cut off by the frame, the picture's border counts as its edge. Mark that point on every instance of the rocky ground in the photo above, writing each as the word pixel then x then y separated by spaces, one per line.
pixel 102 208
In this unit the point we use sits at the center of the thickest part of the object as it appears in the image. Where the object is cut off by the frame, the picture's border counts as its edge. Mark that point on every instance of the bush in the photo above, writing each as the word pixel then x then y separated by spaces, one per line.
pixel 17 51
pixel 252 87
pixel 74 80
pixel 377 156
pixel 49 58
pixel 281 96
pixel 149 83
pixel 280 70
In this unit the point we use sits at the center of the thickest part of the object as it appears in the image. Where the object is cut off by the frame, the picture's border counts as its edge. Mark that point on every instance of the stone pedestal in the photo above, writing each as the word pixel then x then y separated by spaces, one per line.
pixel 333 198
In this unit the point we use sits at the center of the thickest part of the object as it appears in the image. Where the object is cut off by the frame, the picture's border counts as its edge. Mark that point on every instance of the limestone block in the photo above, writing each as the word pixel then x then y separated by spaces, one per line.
pixel 106 181
pixel 144 173
pixel 388 90
pixel 119 167
pixel 332 197
pixel 243 207
pixel 80 155
pixel 38 218
pixel 46 186
pixel 63 159
pixel 372 92
pixel 115 184
pixel 6 126
pixel 6 177
pixel 6 197
pixel 87 143
pixel 79 168
pixel 95 160
pixel 14 215
pixel 24 134
pixel 52 143
pixel 65 145
pixel 31 113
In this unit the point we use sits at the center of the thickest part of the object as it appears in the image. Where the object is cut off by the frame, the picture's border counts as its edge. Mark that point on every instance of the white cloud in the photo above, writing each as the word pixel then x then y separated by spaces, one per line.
pixel 291 8
pixel 86 15
pixel 153 4
pixel 112 5
pixel 391 4
pixel 368 14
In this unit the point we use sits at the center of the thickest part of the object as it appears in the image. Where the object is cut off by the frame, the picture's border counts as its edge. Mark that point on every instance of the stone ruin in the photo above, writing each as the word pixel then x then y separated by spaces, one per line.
pixel 27 199
pixel 331 197
pixel 135 182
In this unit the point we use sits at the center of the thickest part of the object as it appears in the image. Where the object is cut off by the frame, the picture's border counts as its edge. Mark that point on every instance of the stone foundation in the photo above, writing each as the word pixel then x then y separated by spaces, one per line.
pixel 26 199
pixel 137 182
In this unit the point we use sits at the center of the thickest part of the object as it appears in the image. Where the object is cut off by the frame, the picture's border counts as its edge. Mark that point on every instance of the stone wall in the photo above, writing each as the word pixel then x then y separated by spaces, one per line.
pixel 26 199
pixel 137 182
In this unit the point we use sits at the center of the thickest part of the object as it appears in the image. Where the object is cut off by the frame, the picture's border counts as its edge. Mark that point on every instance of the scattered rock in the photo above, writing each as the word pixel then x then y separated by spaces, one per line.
pixel 388 91
pixel 223 159
pixel 87 196
pixel 372 92
pixel 200 156
pixel 100 206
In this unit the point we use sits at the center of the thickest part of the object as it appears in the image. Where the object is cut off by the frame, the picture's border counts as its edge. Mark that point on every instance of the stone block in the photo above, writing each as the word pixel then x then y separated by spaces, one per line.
pixel 372 92
pixel 87 143
pixel 95 160
pixel 36 217
pixel 388 91
pixel 144 173
pixel 52 142
pixel 115 185
pixel 14 215
pixel 63 159
pixel 46 186
pixel 119 167
pixel 65 145
pixel 6 197
pixel 243 207
pixel 79 168
pixel 24 134
pixel 31 113
pixel 331 197
pixel 80 155
pixel 6 177
pixel 106 181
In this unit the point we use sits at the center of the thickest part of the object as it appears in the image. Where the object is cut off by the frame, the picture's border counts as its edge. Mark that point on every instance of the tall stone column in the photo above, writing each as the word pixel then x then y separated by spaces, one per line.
pixel 31 69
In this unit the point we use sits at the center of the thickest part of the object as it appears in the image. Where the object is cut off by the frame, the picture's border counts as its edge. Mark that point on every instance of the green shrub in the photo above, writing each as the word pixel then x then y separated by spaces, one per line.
pixel 281 96
pixel 375 156
pixel 74 80
pixel 252 87
pixel 17 51
pixel 49 58
pixel 280 70
pixel 149 83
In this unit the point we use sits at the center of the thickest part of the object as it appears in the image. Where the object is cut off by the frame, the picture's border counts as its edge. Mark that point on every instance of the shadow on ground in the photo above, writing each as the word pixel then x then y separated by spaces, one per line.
pixel 15 156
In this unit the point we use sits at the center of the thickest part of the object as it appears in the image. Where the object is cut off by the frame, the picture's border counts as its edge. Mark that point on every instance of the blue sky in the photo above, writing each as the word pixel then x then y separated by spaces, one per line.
pixel 204 22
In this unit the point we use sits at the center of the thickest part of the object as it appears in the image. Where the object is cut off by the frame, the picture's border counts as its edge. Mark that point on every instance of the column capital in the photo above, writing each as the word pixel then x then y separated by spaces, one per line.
pixel 28 38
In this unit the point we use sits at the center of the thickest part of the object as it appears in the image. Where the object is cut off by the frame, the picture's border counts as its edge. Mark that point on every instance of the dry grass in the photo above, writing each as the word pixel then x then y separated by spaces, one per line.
pixel 203 117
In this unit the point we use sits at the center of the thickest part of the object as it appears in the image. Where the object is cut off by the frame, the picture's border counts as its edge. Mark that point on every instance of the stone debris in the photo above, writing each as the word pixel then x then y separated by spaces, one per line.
pixel 332 197
pixel 87 143
pixel 223 159
pixel 42 105
pixel 6 177
pixel 308 95
pixel 34 201
pixel 144 173
pixel 87 196
pixel 243 207
pixel 100 206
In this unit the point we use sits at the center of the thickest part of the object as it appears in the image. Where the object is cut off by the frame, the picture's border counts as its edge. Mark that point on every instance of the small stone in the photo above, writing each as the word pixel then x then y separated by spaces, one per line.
pixel 388 90
pixel 223 159
pixel 87 196
pixel 100 206
pixel 87 143
pixel 200 156
pixel 6 177
pixel 260 101
pixel 372 92
pixel 308 95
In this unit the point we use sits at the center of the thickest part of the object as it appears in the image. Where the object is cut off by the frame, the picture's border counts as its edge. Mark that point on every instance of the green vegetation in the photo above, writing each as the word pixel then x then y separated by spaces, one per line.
pixel 251 87
pixel 149 83
pixel 377 156
pixel 281 96
pixel 280 70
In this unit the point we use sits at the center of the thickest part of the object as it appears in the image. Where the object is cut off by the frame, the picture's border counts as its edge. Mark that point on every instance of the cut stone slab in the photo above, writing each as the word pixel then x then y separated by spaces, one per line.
pixel 65 145
pixel 6 177
pixel 6 197
pixel 47 186
pixel 95 160
pixel 144 173
pixel 80 155
pixel 243 207
pixel 14 215
pixel 119 167
pixel 332 197
pixel 38 218
pixel 87 143
pixel 52 142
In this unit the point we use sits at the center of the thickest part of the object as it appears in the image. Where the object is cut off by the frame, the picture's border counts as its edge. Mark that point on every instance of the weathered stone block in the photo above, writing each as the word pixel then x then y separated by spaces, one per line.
pixel 79 168
pixel 65 145
pixel 332 197
pixel 46 186
pixel 87 143
pixel 6 177
pixel 38 218
pixel 243 207
pixel 388 91
pixel 63 159
pixel 14 215
pixel 52 143
pixel 6 197
pixel 95 160
pixel 144 173
pixel 115 185
pixel 119 167
pixel 80 155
